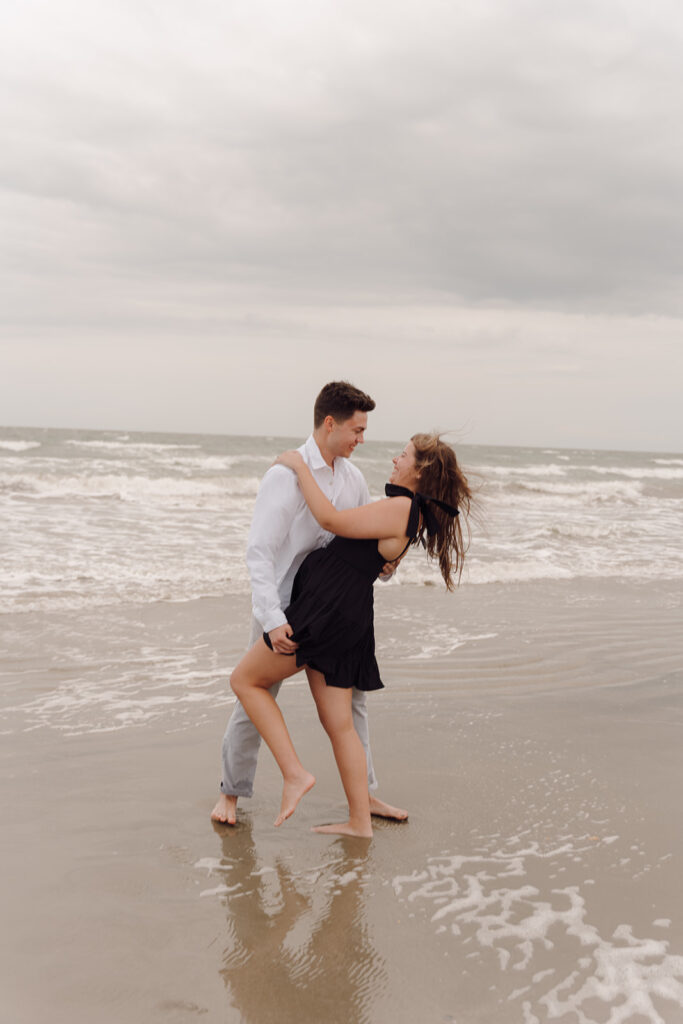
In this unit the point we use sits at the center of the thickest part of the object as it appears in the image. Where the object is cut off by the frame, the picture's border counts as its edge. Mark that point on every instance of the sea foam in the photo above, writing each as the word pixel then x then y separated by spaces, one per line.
pixel 472 896
pixel 19 446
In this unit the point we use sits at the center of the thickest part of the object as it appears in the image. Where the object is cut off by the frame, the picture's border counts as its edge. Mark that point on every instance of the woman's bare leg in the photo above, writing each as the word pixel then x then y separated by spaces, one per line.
pixel 334 710
pixel 257 671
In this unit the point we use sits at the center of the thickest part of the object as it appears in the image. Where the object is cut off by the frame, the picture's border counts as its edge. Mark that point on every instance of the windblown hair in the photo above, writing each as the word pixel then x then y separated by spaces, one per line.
pixel 441 477
pixel 340 400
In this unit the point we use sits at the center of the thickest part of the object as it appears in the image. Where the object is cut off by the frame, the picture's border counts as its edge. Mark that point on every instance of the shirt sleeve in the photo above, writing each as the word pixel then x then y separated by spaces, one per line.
pixel 358 488
pixel 276 504
pixel 363 491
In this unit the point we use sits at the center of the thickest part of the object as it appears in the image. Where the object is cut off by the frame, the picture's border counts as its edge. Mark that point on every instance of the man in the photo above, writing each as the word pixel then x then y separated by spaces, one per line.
pixel 283 532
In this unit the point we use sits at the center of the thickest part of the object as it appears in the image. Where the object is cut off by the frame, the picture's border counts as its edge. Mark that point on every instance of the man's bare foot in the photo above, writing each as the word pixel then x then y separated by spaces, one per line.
pixel 292 791
pixel 345 829
pixel 382 810
pixel 225 811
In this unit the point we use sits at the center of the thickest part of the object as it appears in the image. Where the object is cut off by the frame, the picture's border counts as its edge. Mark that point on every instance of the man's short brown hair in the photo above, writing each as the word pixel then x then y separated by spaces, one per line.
pixel 340 400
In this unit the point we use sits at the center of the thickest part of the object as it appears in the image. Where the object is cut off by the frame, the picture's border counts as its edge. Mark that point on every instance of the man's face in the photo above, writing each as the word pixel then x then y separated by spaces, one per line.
pixel 344 436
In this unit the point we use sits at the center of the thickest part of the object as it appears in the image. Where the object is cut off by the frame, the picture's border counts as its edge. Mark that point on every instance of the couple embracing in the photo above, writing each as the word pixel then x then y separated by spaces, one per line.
pixel 317 544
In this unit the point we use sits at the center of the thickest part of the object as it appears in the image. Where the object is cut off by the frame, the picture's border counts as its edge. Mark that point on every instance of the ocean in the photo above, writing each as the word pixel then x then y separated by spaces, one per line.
pixel 106 518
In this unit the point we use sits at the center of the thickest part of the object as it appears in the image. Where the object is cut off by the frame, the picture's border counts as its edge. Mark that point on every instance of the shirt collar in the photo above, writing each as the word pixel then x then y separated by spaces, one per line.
pixel 315 457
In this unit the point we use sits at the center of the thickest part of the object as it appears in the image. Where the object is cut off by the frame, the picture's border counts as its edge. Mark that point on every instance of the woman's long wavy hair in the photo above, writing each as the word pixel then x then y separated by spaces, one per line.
pixel 441 477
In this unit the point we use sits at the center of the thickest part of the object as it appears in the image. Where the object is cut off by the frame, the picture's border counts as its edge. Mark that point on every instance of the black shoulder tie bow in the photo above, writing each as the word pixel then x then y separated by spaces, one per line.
pixel 421 503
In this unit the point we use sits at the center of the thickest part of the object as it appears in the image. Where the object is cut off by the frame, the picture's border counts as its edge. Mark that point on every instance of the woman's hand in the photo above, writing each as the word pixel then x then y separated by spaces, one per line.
pixel 291 459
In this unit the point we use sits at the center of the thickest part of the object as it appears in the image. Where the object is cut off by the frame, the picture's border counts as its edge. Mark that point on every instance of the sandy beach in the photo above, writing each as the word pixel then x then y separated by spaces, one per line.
pixel 538 878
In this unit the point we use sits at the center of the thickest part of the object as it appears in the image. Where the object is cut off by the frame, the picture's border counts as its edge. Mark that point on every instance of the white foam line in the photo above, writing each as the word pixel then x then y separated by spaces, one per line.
pixel 621 974
pixel 625 973
pixel 19 446
pixel 221 890
pixel 212 864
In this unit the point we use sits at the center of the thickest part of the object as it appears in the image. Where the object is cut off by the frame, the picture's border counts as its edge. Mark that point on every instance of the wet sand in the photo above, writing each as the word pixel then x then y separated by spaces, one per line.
pixel 538 878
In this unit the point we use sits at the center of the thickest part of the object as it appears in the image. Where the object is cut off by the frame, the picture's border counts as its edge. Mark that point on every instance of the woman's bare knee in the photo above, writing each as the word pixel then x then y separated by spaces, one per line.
pixel 235 683
pixel 335 725
pixel 322 716
pixel 239 681
pixel 256 671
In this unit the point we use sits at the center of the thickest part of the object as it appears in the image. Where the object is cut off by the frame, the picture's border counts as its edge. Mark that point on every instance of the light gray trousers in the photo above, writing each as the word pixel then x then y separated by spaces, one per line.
pixel 241 741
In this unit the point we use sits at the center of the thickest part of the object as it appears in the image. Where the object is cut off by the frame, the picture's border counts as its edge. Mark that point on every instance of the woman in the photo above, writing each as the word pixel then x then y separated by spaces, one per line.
pixel 330 615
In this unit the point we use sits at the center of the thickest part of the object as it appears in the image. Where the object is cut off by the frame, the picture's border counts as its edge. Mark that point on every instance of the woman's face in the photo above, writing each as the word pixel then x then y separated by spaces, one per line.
pixel 404 473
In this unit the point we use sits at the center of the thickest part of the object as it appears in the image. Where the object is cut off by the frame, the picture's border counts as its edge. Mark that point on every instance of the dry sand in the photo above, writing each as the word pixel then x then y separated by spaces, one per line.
pixel 538 878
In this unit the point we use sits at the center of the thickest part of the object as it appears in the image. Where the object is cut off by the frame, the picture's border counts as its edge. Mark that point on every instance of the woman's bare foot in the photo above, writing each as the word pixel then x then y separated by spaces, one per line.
pixel 225 811
pixel 292 791
pixel 345 829
pixel 382 810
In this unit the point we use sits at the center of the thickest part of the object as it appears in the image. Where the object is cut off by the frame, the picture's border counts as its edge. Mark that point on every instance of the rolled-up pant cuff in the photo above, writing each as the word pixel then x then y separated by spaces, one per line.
pixel 238 791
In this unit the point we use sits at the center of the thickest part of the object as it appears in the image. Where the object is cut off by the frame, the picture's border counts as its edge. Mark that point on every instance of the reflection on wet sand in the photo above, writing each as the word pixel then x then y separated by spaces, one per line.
pixel 299 946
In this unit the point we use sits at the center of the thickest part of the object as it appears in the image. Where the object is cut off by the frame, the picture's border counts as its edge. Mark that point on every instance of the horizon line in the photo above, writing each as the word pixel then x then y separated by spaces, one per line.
pixel 380 440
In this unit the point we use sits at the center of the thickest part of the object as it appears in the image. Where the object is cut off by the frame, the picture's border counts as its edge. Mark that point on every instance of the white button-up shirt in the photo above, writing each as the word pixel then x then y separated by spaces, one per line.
pixel 283 530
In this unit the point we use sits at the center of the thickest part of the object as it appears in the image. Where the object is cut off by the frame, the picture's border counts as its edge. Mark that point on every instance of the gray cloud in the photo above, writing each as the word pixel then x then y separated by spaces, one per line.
pixel 249 171
pixel 524 153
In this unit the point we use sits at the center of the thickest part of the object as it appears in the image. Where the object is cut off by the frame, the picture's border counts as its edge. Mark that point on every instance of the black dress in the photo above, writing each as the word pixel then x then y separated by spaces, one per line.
pixel 331 611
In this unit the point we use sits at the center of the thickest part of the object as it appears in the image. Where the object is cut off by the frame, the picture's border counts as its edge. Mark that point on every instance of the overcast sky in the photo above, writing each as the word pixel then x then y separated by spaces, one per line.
pixel 474 211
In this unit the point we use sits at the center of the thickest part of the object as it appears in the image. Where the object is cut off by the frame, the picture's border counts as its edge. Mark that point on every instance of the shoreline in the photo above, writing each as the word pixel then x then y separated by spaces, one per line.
pixel 127 665
pixel 542 857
